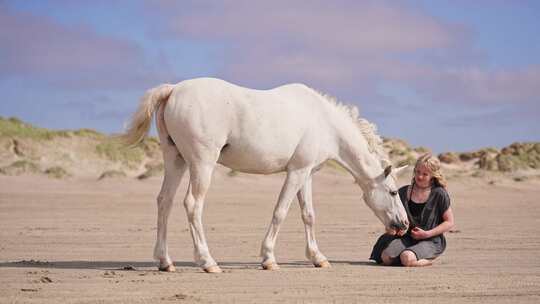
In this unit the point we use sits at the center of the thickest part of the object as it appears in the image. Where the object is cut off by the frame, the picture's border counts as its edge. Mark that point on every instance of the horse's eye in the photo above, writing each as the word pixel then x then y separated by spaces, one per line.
pixel 393 193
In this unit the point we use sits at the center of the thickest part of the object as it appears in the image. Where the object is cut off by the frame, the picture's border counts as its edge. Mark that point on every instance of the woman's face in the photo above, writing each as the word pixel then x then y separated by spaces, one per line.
pixel 423 176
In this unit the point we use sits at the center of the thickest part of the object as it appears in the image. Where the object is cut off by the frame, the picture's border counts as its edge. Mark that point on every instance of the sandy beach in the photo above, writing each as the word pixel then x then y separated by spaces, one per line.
pixel 86 241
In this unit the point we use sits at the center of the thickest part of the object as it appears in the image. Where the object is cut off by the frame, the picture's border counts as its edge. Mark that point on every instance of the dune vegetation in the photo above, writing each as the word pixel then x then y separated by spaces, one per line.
pixel 27 149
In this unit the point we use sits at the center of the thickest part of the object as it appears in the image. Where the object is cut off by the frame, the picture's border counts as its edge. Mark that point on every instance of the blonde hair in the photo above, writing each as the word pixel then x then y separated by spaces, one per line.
pixel 434 165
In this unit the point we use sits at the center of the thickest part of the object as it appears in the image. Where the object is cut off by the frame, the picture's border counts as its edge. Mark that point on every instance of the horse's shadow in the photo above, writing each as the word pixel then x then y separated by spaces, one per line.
pixel 354 263
pixel 146 266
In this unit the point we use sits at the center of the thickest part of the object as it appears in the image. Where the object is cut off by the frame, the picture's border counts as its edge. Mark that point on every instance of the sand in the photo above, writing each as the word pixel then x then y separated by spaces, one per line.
pixel 86 241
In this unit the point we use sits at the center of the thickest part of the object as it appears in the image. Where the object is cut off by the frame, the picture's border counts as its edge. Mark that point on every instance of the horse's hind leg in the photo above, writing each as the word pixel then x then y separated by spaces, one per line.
pixel 200 172
pixel 175 166
pixel 308 216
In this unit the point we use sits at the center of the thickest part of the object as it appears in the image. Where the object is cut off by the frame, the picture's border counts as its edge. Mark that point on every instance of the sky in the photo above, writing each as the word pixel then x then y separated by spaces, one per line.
pixel 449 75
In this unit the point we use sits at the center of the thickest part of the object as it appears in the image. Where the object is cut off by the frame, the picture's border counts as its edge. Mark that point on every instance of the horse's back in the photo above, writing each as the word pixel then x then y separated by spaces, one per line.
pixel 255 130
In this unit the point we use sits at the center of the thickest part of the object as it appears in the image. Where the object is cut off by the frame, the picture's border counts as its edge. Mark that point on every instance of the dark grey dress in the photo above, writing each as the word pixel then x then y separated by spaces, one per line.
pixel 437 203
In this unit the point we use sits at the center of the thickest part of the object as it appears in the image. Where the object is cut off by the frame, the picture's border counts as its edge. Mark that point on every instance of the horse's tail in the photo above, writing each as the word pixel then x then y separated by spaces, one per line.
pixel 142 118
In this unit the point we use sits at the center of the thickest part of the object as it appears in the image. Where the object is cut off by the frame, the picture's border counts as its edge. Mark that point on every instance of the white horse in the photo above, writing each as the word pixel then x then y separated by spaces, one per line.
pixel 291 128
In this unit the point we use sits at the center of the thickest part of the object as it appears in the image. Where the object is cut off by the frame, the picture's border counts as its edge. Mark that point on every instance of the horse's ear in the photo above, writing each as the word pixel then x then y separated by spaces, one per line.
pixel 400 169
pixel 387 171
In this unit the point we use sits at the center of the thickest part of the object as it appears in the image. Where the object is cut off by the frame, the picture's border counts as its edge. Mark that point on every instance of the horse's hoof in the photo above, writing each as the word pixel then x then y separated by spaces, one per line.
pixel 213 269
pixel 323 264
pixel 168 268
pixel 270 266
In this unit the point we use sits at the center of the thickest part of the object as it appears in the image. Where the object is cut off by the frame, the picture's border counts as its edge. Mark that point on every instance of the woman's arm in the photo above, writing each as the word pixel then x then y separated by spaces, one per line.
pixel 445 226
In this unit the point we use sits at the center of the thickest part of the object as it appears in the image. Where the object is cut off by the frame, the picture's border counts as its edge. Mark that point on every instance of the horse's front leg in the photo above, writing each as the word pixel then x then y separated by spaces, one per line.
pixel 200 178
pixel 293 182
pixel 308 216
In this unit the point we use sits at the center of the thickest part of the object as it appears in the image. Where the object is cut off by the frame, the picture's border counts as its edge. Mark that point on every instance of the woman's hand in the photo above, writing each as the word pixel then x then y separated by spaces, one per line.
pixel 445 226
pixel 392 231
pixel 420 234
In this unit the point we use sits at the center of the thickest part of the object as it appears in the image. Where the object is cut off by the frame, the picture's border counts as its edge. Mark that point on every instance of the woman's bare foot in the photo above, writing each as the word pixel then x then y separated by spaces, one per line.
pixel 423 262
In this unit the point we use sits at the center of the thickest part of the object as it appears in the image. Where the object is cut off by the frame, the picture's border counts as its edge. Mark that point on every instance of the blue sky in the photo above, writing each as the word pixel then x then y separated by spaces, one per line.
pixel 448 75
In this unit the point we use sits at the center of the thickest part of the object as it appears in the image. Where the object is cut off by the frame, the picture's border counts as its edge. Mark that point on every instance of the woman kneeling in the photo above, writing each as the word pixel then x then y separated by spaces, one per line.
pixel 428 208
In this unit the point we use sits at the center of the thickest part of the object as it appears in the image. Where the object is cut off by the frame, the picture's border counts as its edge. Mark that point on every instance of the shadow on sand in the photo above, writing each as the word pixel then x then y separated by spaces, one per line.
pixel 137 265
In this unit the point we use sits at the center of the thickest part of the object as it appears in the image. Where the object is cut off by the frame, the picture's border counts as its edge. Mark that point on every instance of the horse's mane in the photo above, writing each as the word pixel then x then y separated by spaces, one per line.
pixel 368 129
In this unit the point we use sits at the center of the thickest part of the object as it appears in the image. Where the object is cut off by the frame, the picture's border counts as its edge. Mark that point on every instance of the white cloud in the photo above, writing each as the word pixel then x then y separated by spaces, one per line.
pixel 342 44
pixel 38 48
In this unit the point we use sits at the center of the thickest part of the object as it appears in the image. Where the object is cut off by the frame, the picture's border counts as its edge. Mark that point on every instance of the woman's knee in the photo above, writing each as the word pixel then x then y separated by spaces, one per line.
pixel 386 259
pixel 408 258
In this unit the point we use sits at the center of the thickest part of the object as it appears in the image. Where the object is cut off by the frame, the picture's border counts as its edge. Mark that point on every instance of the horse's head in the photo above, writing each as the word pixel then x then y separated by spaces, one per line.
pixel 383 198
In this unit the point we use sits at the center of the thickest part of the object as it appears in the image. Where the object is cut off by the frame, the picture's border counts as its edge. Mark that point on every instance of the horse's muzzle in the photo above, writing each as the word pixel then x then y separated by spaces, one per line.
pixel 399 225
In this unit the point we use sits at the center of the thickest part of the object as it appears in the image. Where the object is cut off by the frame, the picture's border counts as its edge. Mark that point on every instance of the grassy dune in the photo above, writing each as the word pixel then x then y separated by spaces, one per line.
pixel 27 149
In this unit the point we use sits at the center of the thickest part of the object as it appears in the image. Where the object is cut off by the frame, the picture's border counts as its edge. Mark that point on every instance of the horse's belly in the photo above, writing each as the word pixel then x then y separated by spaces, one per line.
pixel 254 159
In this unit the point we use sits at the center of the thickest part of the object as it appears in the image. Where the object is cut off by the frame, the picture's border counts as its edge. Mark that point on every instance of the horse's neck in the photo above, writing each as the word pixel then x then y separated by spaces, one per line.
pixel 354 155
